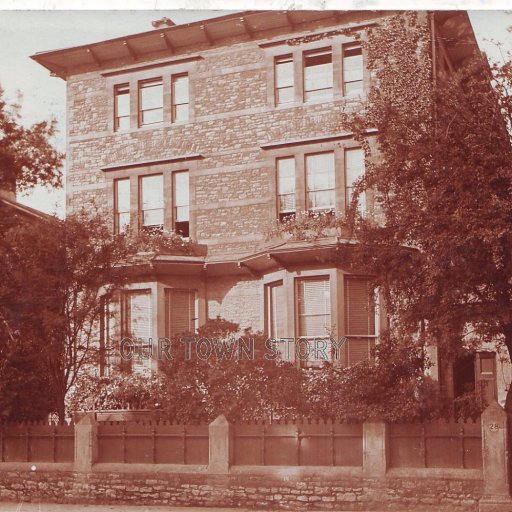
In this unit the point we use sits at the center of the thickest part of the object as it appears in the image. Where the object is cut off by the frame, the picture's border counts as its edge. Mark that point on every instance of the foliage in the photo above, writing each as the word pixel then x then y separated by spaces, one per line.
pixel 469 405
pixel 391 387
pixel 52 273
pixel 120 391
pixel 27 157
pixel 166 242
pixel 442 173
pixel 240 388
pixel 308 226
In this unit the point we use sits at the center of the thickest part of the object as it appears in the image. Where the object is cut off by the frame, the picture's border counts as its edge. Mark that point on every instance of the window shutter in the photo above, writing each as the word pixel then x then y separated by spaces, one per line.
pixel 359 308
pixel 314 306
pixel 181 312
pixel 359 321
pixel 358 349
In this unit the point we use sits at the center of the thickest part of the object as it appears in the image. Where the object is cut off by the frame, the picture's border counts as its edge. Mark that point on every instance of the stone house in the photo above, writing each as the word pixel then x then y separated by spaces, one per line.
pixel 217 130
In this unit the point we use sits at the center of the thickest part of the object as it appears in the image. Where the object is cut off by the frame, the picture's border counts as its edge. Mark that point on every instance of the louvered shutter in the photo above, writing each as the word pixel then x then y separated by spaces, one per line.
pixel 359 321
pixel 180 312
pixel 359 307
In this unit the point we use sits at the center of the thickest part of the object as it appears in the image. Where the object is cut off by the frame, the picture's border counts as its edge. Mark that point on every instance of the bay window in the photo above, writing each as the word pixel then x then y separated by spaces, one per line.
pixel 314 318
pixel 180 312
pixel 137 331
pixel 360 320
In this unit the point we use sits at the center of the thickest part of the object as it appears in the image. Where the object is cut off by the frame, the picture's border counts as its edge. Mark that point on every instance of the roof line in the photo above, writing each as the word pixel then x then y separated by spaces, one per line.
pixel 226 17
pixel 26 209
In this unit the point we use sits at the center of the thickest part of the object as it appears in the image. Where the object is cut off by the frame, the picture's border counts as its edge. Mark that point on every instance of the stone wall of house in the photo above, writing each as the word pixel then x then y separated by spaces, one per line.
pixel 236 300
pixel 233 184
pixel 319 492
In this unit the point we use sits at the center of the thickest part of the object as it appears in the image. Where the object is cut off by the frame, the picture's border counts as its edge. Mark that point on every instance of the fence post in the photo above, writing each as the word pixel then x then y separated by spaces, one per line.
pixel 220 445
pixel 374 448
pixel 86 443
pixel 496 495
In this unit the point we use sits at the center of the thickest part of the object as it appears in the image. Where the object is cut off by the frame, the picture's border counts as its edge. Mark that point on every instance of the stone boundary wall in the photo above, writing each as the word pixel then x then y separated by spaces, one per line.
pixel 374 485
pixel 313 492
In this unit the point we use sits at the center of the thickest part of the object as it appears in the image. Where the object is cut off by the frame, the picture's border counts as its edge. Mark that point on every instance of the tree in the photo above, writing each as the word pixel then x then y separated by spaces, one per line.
pixel 439 242
pixel 52 274
pixel 27 157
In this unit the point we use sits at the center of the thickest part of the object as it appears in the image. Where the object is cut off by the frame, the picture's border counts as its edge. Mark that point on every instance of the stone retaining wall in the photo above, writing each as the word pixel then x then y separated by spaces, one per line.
pixel 258 491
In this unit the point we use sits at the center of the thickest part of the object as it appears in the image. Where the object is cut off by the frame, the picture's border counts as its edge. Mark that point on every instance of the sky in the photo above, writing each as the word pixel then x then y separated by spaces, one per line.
pixel 25 32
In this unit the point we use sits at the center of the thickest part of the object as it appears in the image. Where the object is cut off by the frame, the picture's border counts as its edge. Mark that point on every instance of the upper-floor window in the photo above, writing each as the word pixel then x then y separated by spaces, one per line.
pixel 354 171
pixel 181 214
pixel 122 107
pixel 318 74
pixel 152 202
pixel 286 187
pixel 122 205
pixel 180 97
pixel 352 69
pixel 284 79
pixel 320 181
pixel 151 101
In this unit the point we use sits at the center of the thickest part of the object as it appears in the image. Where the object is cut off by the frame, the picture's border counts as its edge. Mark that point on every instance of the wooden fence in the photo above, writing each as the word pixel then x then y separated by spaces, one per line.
pixel 153 442
pixel 438 444
pixel 303 443
pixel 36 442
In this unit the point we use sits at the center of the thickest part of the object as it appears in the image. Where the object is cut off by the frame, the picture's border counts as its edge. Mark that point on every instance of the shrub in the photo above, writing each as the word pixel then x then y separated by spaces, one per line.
pixel 118 392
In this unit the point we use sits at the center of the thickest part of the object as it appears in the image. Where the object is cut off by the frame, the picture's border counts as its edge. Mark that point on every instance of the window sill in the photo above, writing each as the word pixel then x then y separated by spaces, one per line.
pixel 156 126
pixel 351 98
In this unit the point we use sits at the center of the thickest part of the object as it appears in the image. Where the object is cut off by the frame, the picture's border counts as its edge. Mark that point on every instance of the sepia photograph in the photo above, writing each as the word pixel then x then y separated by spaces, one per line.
pixel 255 256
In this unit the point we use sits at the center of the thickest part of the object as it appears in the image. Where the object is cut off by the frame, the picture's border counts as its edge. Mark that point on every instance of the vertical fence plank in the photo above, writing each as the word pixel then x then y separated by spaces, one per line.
pixel 263 444
pixel 153 444
pixel 54 444
pixel 298 439
pixel 424 456
pixel 27 444
pixel 123 433
pixel 462 451
pixel 184 441
pixel 333 453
